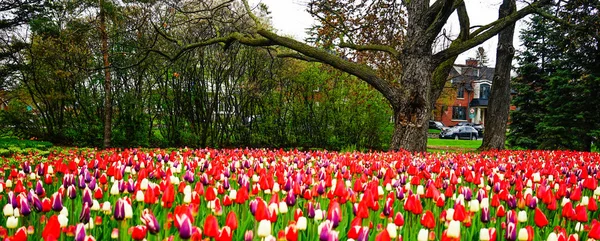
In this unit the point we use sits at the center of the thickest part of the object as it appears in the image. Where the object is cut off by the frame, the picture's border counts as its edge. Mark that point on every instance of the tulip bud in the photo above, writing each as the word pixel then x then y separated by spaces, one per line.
pixel 248 235
pixel 552 237
pixel 454 229
pixel 522 217
pixel 302 223
pixel 264 228
pixel 423 235
pixel 484 234
pixel 523 236
pixel 392 230
pixel 12 222
pixel 8 209
pixel 63 220
pixel 115 233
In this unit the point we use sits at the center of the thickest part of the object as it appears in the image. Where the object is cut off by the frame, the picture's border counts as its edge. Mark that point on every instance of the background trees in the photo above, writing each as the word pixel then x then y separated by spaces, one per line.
pixel 558 80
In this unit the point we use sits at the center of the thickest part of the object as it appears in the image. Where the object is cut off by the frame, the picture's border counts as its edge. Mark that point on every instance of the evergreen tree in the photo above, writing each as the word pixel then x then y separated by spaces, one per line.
pixel 558 81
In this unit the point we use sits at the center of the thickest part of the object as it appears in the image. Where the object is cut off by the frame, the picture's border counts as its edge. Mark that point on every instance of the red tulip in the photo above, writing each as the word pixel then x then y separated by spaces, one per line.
pixel 139 232
pixel 52 229
pixel 399 219
pixel 231 221
pixel 459 212
pixel 291 233
pixel 383 236
pixel 226 234
pixel 427 220
pixel 581 214
pixel 211 226
pixel 594 230
pixel 540 218
pixel 20 235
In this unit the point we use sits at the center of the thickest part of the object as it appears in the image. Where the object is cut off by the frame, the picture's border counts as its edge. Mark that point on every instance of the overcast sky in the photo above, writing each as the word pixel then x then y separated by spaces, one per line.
pixel 290 18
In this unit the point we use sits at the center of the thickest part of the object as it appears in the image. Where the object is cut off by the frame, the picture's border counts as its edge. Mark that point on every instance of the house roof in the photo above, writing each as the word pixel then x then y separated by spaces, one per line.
pixel 464 73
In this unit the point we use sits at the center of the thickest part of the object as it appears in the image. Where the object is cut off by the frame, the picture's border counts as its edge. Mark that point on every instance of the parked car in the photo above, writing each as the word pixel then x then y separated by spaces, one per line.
pixel 460 132
pixel 437 125
pixel 477 127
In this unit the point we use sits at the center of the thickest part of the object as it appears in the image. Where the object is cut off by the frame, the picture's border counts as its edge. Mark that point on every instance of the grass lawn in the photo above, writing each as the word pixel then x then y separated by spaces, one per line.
pixel 452 145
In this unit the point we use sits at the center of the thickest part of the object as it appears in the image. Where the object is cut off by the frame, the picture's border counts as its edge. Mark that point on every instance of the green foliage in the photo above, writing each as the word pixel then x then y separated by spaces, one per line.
pixel 558 83
pixel 12 146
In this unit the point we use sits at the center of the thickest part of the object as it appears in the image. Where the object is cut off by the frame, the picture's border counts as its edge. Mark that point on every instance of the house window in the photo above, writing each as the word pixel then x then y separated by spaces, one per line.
pixel 484 91
pixel 459 113
pixel 461 92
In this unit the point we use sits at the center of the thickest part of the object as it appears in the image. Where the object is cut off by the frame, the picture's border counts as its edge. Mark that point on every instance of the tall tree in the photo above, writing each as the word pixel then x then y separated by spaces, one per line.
pixel 423 71
pixel 107 79
pixel 499 103
pixel 558 79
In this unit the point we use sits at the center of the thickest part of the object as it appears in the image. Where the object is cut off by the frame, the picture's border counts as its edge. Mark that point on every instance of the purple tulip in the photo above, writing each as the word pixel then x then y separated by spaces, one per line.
pixel 290 199
pixel 399 193
pixel 57 204
pixel 481 195
pixel 84 216
pixel 253 206
pixel 72 192
pixel 39 188
pixel 363 235
pixel 24 205
pixel 311 210
pixel 13 199
pixel 40 169
pixel 119 212
pixel 511 232
pixel 80 232
pixel 511 202
pixel 485 215
pixel 248 235
pixel 37 204
pixel 388 208
pixel 26 167
pixel 325 231
pixel 185 227
pixel 81 182
pixel 130 185
pixel 150 221
pixel 189 176
pixel 226 184
pixel 533 203
pixel 92 184
pixel 321 188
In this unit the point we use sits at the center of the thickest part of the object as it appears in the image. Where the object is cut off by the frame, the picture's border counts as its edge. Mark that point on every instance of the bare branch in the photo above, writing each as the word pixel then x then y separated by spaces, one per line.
pixel 297 56
pixel 251 14
pixel 372 47
pixel 492 30
pixel 361 71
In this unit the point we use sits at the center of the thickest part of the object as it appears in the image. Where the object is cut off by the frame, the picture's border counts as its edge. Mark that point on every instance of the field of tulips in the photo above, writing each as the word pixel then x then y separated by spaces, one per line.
pixel 258 194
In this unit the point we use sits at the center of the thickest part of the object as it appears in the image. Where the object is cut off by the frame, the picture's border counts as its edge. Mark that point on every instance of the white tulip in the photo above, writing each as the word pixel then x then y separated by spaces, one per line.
pixel 454 229
pixel 128 210
pixel 12 222
pixel 114 190
pixel 484 234
pixel 423 235
pixel 392 230
pixel 63 220
pixel 8 210
pixel 139 196
pixel 95 205
pixel 522 216
pixel 302 223
pixel 552 237
pixel 283 208
pixel 523 235
pixel 264 228
pixel 318 215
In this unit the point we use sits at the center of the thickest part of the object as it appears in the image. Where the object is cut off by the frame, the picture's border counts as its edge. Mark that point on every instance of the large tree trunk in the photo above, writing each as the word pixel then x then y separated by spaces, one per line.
pixel 107 81
pixel 411 116
pixel 499 104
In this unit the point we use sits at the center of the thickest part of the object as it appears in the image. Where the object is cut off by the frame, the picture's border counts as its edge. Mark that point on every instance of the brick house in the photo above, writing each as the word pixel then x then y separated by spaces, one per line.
pixel 470 85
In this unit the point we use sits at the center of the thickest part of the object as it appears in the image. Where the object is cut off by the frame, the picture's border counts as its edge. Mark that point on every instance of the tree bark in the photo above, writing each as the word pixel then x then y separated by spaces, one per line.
pixel 107 79
pixel 499 103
